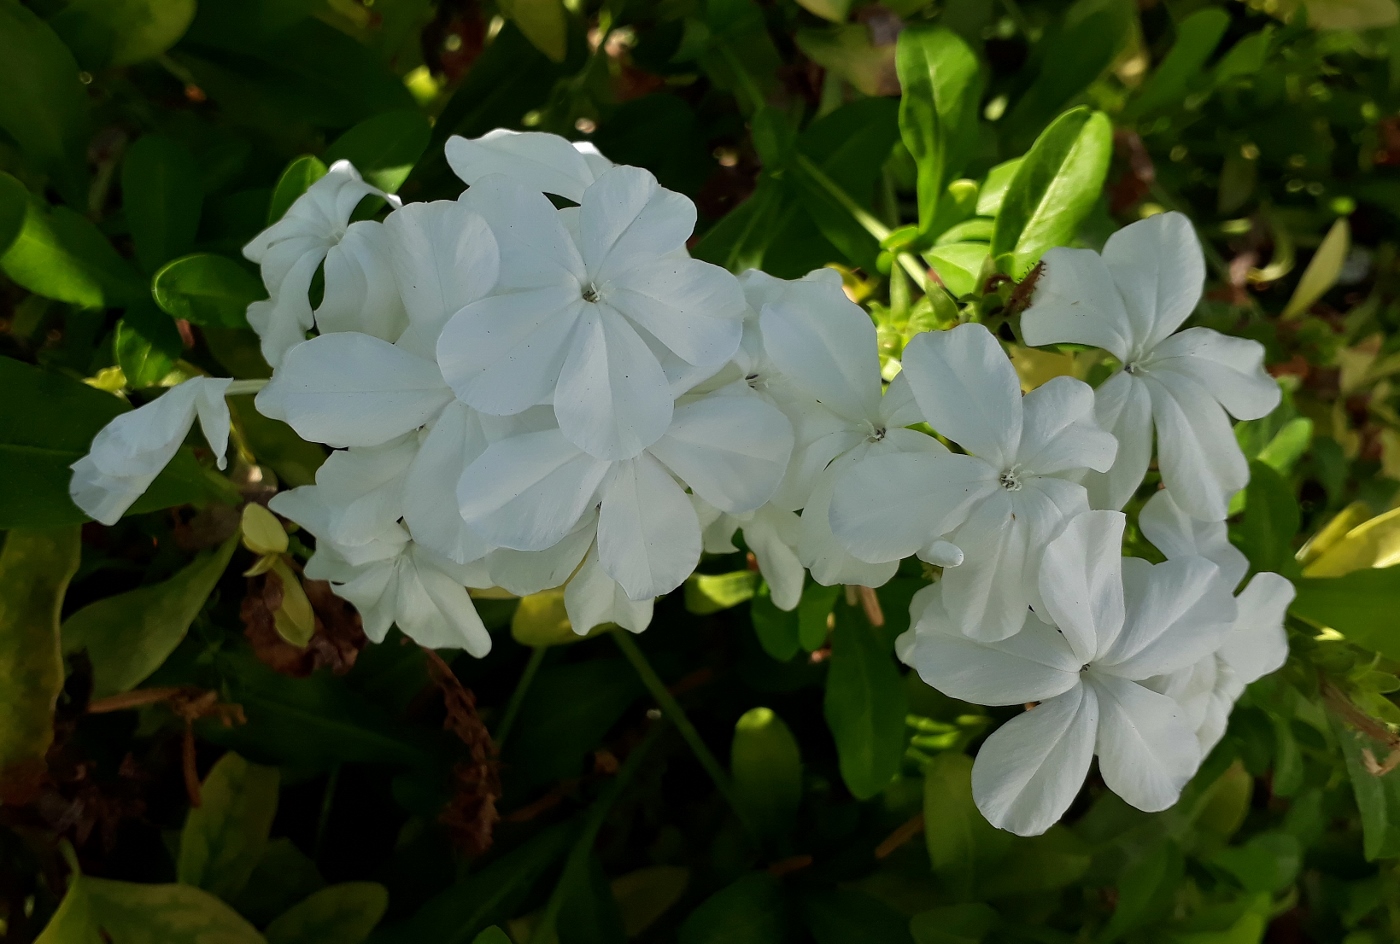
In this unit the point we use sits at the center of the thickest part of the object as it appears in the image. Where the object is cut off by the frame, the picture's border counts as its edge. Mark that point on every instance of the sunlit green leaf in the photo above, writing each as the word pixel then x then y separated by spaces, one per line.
pixel 207 290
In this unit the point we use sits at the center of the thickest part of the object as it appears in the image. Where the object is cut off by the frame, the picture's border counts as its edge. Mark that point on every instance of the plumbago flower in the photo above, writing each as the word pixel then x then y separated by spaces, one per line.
pixel 999 504
pixel 1114 625
pixel 1129 301
pixel 1255 644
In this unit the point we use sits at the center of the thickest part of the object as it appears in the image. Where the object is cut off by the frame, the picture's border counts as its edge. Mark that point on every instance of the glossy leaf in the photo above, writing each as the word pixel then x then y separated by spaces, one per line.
pixel 711 593
pixel 147 345
pixel 865 707
pixel 206 289
pixel 766 765
pixel 1360 606
pixel 544 23
pixel 129 635
pixel 225 835
pixel 35 567
pixel 43 105
pixel 383 148
pixel 298 177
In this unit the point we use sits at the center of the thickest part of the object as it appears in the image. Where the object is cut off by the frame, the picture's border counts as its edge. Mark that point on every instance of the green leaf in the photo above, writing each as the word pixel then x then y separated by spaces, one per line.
pixel 49 424
pixel 283 876
pixel 43 105
pixel 766 765
pixel 711 593
pixel 224 836
pixel 162 195
pixel 1053 190
pixel 959 265
pixel 122 32
pixel 1246 57
pixel 963 848
pixel 384 148
pixel 486 897
pixel 847 51
pixel 14 206
pixel 1377 797
pixel 1196 38
pixel 60 255
pixel 645 895
pixel 992 193
pixel 865 706
pixel 276 444
pixel 846 916
pixel 130 635
pixel 1360 606
pixel 1351 14
pixel 340 914
pixel 300 174
pixel 35 567
pixel 492 935
pixel 942 89
pixel 147 345
pixel 1146 890
pixel 777 630
pixel 749 911
pixel 544 23
pixel 1041 863
pixel 206 289
pixel 165 914
pixel 73 922
pixel 1268 862
pixel 953 924
pixel 1322 271
pixel 814 614
pixel 1270 520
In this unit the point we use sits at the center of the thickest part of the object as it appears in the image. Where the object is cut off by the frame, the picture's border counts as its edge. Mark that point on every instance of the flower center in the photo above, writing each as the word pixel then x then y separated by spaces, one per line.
pixel 877 434
pixel 1011 481
pixel 590 293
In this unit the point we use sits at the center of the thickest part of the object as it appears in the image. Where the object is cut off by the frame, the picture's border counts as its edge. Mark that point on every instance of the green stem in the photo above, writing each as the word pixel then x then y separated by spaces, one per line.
pixel 673 711
pixel 545 932
pixel 241 388
pixel 327 801
pixel 752 93
pixel 517 697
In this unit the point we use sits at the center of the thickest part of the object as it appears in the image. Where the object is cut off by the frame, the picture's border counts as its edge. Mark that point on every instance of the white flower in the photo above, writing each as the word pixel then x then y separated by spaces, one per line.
pixel 292 249
pixel 1001 503
pixel 1129 301
pixel 529 491
pixel 533 159
pixel 1176 534
pixel 1117 622
pixel 128 453
pixel 584 324
pixel 592 598
pixel 391 579
pixel 771 533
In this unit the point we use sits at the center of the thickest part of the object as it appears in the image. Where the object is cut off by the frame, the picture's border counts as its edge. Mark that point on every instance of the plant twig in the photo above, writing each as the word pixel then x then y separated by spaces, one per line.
pixel 517 697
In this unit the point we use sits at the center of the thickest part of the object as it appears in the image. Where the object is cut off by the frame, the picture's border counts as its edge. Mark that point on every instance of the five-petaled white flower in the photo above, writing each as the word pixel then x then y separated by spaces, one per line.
pixel 1129 301
pixel 1117 622
pixel 1001 503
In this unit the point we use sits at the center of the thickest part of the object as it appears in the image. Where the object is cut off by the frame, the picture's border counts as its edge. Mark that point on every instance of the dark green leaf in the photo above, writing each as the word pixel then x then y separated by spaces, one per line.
pixel 162 195
pixel 814 614
pixel 14 206
pixel 165 914
pixel 147 345
pixel 340 914
pixel 1377 796
pixel 122 32
pixel 766 765
pixel 953 924
pixel 35 567
pixel 1053 190
pixel 1268 862
pixel 300 174
pixel 590 914
pixel 283 876
pixel 963 847
pixel 276 444
pixel 777 630
pixel 1146 890
pixel 129 635
pixel 43 105
pixel 1359 605
pixel 846 916
pixel 1270 520
pixel 207 290
pixel 225 835
pixel 750 911
pixel 383 148
pixel 865 707
pixel 1196 38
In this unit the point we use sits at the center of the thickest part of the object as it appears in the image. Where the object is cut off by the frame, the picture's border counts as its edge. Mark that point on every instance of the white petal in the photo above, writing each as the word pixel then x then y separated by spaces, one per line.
pixel 772 534
pixel 819 437
pixel 731 450
pixel 443 257
pixel 1033 665
pixel 102 497
pixel 967 390
pixel 988 594
pixel 613 399
pixel 625 216
pixel 1176 534
pixel 364 487
pixel 648 535
pixel 528 491
pixel 503 354
pixel 350 389
pixel 1076 302
pixel 898 407
pixel 1124 408
pixel 1256 643
pixel 1177 612
pixel 430 491
pixel 1030 770
pixel 693 308
pixel 1230 369
pixel 1160 271
pixel 819 550
pixel 539 161
pixel 1060 432
pixel 527 572
pixel 592 598
pixel 535 248
pixel 1201 460
pixel 435 611
pixel 888 507
pixel 141 442
pixel 1081 581
pixel 371 588
pixel 360 292
pixel 826 344
pixel 307 507
pixel 1147 751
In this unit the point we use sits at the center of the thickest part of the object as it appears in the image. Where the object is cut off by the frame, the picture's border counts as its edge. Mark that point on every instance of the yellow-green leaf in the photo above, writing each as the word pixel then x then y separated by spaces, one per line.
pixel 35 568
pixel 544 23
pixel 1374 543
pixel 1322 271
pixel 540 620
pixel 129 635
pixel 262 532
pixel 646 894
pixel 165 914
pixel 710 593
pixel 766 765
pixel 224 836
pixel 294 620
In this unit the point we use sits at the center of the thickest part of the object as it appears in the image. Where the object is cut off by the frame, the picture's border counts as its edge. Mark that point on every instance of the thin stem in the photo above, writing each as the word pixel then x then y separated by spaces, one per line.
pixel 327 801
pixel 241 388
pixel 517 697
pixel 545 932
pixel 673 711
pixel 752 93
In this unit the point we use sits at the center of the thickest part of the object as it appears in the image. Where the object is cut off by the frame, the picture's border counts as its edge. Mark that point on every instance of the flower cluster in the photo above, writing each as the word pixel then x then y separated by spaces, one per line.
pixel 535 386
